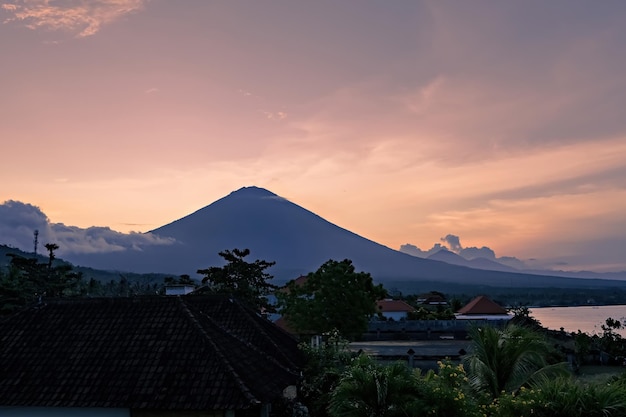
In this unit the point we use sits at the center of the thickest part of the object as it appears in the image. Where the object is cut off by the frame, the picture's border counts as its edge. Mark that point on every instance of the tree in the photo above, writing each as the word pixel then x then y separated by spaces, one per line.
pixel 611 341
pixel 333 297
pixel 325 364
pixel 247 281
pixel 447 392
pixel 506 359
pixel 27 279
pixel 181 280
pixel 368 389
pixel 522 317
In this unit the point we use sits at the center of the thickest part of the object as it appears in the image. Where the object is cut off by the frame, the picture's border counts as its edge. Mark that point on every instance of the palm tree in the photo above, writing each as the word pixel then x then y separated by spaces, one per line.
pixel 371 390
pixel 506 359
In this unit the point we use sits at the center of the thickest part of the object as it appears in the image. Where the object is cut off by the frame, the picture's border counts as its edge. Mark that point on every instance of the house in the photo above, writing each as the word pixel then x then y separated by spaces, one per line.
pixel 153 356
pixel 432 299
pixel 482 308
pixel 394 309
pixel 179 289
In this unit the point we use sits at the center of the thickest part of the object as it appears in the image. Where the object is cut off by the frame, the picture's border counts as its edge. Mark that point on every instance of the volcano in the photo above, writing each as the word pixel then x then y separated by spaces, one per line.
pixel 299 241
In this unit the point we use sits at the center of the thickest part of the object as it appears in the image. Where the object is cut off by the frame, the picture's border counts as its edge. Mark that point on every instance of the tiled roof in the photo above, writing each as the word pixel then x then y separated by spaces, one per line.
pixel 387 306
pixel 176 353
pixel 482 305
pixel 298 282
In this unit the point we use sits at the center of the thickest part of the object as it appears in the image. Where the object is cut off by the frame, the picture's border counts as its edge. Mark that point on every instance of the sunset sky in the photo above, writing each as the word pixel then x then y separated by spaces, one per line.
pixel 502 123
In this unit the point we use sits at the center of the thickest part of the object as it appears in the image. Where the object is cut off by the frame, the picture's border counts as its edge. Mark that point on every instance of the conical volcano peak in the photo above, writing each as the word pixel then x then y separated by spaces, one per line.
pixel 252 191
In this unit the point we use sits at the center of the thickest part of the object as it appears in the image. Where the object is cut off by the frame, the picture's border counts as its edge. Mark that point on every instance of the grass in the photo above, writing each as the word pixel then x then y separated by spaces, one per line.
pixel 598 373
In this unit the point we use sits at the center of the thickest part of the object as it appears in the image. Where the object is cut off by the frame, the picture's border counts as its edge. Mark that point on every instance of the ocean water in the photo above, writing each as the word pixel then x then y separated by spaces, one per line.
pixel 587 319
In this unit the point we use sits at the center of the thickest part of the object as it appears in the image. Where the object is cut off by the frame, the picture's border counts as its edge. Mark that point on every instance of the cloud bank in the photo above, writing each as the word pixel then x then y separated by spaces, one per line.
pixel 453 243
pixel 18 222
pixel 82 18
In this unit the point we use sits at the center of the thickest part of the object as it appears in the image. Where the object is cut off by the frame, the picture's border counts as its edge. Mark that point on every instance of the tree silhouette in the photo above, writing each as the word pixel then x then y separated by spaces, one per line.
pixel 27 280
pixel 503 360
pixel 368 389
pixel 248 281
pixel 333 297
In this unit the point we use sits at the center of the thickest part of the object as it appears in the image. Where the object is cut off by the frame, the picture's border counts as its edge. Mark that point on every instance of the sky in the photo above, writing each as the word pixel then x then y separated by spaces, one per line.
pixel 501 124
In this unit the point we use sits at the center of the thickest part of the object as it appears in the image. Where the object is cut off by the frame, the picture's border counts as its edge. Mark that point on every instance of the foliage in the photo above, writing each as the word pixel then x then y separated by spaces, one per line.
pixel 333 297
pixel 371 389
pixel 563 397
pixel 26 280
pixel 582 346
pixel 368 389
pixel 611 341
pixel 447 393
pixel 522 317
pixel 503 360
pixel 324 366
pixel 248 281
pixel 181 280
pixel 436 313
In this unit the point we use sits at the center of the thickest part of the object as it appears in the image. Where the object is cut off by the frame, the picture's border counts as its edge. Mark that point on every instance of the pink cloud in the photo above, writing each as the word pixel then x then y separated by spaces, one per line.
pixel 84 18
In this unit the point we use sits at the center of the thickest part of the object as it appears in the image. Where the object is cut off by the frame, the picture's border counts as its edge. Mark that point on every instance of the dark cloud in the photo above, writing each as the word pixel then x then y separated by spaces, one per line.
pixel 474 252
pixel 18 222
pixel 453 243
pixel 415 251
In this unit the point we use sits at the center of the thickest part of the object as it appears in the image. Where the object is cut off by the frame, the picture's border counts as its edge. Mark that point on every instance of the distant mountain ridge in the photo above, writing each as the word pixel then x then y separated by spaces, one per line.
pixel 299 241
pixel 445 255
pixel 450 257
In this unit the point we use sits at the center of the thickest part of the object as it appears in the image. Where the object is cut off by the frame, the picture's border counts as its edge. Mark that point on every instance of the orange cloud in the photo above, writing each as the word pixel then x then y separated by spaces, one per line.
pixel 83 18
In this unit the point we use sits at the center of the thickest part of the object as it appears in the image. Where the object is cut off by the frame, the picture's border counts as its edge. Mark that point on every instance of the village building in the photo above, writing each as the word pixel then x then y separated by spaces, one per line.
pixel 189 356
pixel 394 309
pixel 483 308
pixel 432 299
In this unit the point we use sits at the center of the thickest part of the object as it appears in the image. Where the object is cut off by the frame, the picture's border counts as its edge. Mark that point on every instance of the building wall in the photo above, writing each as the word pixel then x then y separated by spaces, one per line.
pixel 63 412
pixel 103 412
pixel 182 413
pixel 395 315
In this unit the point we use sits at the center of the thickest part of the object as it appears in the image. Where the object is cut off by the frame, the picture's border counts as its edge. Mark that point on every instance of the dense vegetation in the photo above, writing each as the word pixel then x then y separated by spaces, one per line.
pixel 509 372
pixel 335 297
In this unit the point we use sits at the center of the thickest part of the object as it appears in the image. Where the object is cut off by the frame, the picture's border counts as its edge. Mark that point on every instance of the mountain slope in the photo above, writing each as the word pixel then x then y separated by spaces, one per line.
pixel 276 229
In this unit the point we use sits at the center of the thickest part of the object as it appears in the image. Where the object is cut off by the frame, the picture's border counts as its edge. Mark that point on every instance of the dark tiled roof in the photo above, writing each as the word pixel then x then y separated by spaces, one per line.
pixel 176 353
pixel 482 305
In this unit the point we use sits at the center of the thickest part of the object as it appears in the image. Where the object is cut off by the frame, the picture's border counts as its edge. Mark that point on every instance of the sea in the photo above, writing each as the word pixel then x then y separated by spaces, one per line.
pixel 587 319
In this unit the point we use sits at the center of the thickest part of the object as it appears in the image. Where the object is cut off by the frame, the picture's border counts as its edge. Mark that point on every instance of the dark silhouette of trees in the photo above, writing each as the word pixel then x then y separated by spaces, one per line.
pixel 504 360
pixel 27 280
pixel 333 297
pixel 248 281
pixel 369 389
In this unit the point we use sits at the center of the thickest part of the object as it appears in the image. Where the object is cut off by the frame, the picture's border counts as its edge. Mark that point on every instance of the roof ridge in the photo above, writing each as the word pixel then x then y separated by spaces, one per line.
pixel 242 385
pixel 252 346
pixel 248 311
pixel 248 344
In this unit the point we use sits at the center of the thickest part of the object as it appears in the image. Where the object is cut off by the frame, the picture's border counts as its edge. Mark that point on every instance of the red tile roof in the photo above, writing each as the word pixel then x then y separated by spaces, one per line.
pixel 482 305
pixel 387 306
